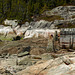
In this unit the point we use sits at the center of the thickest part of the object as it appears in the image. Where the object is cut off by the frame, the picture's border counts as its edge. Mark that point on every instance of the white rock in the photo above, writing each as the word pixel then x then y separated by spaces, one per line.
pixel 5 30
pixel 40 32
pixel 65 11
pixel 58 70
pixel 13 23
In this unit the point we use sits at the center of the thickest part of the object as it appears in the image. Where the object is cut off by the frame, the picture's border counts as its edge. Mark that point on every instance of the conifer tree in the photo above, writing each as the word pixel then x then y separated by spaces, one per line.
pixel 20 9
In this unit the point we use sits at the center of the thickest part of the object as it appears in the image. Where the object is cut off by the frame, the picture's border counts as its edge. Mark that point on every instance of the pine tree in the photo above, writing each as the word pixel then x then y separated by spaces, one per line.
pixel 24 9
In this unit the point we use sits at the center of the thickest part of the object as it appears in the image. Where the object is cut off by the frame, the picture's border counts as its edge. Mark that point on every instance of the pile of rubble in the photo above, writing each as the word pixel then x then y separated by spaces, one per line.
pixel 45 64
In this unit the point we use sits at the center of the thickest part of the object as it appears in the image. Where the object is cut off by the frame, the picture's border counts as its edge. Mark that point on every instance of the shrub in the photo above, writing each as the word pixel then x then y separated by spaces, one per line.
pixel 50 18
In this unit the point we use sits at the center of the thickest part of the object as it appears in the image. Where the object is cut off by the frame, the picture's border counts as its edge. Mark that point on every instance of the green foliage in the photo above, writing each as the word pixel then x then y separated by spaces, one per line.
pixel 25 9
pixel 44 8
pixel 66 25
pixel 50 18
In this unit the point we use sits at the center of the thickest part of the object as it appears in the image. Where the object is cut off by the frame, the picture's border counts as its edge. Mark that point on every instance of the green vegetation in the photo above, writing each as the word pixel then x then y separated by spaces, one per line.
pixel 69 25
pixel 25 9
pixel 8 37
pixel 50 18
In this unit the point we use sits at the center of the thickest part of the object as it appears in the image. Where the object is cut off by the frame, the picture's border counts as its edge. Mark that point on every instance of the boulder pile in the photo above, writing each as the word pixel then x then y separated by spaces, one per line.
pixel 64 65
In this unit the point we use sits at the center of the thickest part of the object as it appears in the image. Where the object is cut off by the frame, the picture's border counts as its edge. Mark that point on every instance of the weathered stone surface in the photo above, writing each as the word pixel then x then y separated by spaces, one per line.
pixel 36 64
pixel 47 56
pixel 45 64
pixel 42 28
pixel 37 51
pixel 4 29
pixel 2 70
pixel 23 54
pixel 57 66
pixel 27 62
pixel 59 70
pixel 13 23
pixel 50 45
pixel 65 11
pixel 41 24
pixel 36 33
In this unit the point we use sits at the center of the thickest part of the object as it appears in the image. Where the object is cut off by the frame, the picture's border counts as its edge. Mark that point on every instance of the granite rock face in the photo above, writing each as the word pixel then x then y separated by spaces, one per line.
pixel 57 66
pixel 64 11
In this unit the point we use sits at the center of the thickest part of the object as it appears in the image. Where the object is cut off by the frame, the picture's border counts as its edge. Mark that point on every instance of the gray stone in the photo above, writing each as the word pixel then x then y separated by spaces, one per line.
pixel 23 54
pixel 4 54
pixel 64 11
pixel 41 24
pixel 27 62
pixel 47 56
pixel 50 45
pixel 12 23
pixel 7 55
